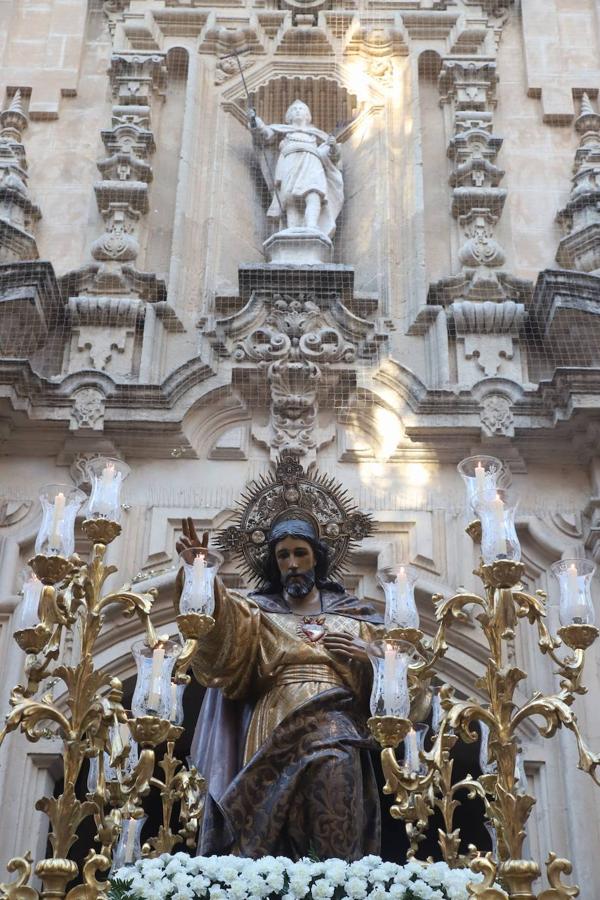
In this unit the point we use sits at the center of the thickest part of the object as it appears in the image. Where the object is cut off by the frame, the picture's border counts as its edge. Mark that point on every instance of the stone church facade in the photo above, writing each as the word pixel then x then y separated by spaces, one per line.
pixel 144 313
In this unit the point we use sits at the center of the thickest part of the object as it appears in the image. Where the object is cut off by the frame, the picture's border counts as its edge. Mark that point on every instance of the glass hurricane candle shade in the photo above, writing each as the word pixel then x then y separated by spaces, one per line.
pixel 106 477
pixel 414 743
pixel 176 715
pixel 437 713
pixel 487 766
pixel 481 475
pixel 152 694
pixel 129 845
pixel 398 583
pixel 115 773
pixel 574 578
pixel 498 532
pixel 390 660
pixel 60 505
pixel 493 838
pixel 27 614
pixel 198 594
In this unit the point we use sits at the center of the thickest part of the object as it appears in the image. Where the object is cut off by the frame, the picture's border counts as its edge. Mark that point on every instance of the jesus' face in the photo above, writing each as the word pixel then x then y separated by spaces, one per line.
pixel 296 562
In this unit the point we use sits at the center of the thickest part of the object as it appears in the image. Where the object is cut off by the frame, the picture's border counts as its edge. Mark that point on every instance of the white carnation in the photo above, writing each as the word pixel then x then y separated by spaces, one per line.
pixel 360 868
pixel 217 893
pixel 322 889
pixel 356 888
pixel 299 886
pixel 238 889
pixel 421 889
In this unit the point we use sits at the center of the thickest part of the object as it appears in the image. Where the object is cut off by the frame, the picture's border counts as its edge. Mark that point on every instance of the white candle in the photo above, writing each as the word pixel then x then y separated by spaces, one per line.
pixel 124 733
pixel 402 582
pixel 198 577
pixel 130 840
pixel 412 751
pixel 498 510
pixel 117 743
pixel 479 481
pixel 578 608
pixel 158 658
pixel 57 518
pixel 108 473
pixel 28 614
pixel 105 489
pixel 388 680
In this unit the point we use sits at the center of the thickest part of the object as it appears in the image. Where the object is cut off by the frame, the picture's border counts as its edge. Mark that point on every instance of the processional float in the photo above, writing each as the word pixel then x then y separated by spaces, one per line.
pixel 64 594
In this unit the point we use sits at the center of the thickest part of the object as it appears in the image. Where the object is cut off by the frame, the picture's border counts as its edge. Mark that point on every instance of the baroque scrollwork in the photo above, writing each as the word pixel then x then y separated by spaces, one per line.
pixel 300 348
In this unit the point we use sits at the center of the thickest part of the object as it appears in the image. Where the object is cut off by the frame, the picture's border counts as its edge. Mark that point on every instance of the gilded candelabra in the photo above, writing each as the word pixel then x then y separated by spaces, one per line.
pixel 89 717
pixel 501 607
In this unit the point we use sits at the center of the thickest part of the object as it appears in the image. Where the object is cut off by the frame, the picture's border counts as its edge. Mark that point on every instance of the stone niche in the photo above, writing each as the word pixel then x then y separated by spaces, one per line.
pixel 292 238
pixel 333 107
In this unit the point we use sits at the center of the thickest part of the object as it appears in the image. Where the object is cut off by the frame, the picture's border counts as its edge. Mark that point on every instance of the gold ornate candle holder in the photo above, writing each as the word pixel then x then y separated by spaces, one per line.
pixel 73 596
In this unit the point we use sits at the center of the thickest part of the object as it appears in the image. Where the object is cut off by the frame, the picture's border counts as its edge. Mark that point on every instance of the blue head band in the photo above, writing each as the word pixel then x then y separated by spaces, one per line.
pixel 298 528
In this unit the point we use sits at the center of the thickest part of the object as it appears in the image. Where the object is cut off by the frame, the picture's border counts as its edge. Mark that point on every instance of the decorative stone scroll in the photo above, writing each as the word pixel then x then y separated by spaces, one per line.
pixel 292 349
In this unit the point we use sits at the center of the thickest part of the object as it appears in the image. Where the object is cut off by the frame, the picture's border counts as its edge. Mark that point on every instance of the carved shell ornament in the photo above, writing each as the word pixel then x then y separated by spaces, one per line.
pixel 290 492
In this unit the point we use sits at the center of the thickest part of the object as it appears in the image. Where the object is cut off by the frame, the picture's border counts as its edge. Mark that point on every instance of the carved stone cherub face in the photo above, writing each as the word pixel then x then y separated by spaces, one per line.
pixel 298 114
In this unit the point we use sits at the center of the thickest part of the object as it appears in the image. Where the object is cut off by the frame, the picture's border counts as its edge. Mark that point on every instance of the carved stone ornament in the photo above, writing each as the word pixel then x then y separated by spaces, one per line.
pixel 496 416
pixel 580 247
pixel 297 349
pixel 290 492
pixel 88 409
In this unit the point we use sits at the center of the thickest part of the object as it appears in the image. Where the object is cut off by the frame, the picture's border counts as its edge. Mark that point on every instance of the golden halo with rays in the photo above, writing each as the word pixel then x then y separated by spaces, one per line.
pixel 290 492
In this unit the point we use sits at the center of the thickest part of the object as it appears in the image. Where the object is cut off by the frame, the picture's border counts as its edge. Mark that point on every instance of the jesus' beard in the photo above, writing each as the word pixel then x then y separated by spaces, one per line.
pixel 299 584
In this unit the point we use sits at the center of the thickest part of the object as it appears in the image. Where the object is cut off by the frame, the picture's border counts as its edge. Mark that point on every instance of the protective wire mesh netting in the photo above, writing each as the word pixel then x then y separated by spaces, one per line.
pixel 306 203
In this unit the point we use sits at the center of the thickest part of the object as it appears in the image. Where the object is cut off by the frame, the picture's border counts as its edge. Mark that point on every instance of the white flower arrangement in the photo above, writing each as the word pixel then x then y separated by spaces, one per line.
pixel 182 877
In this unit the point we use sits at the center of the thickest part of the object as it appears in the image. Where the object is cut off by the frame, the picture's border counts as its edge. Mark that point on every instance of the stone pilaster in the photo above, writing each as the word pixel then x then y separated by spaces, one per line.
pixel 580 247
pixel 108 298
pixel 484 303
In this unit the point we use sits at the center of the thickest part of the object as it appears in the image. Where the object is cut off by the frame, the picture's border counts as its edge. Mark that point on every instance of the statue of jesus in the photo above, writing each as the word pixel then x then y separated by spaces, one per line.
pixel 281 737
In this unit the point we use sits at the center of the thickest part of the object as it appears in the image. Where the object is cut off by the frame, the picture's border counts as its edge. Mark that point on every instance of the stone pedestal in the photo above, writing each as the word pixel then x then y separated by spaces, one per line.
pixel 30 304
pixel 298 246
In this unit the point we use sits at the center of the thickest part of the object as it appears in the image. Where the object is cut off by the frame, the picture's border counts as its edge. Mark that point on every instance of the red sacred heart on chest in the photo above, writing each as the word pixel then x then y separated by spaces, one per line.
pixel 312 628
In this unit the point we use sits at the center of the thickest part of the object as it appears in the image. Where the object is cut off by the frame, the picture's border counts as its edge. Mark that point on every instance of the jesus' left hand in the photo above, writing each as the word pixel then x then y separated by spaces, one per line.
pixel 346 645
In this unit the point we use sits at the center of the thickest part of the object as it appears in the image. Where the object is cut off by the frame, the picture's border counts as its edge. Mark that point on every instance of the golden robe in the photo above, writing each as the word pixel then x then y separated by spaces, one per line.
pixel 304 769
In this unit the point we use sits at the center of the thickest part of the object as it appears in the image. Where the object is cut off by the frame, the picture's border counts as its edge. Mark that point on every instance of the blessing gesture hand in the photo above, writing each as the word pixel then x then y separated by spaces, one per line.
pixel 346 645
pixel 190 544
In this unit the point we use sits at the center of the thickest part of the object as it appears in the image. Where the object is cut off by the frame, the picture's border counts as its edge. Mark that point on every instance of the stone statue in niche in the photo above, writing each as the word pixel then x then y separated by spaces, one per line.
pixel 300 165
